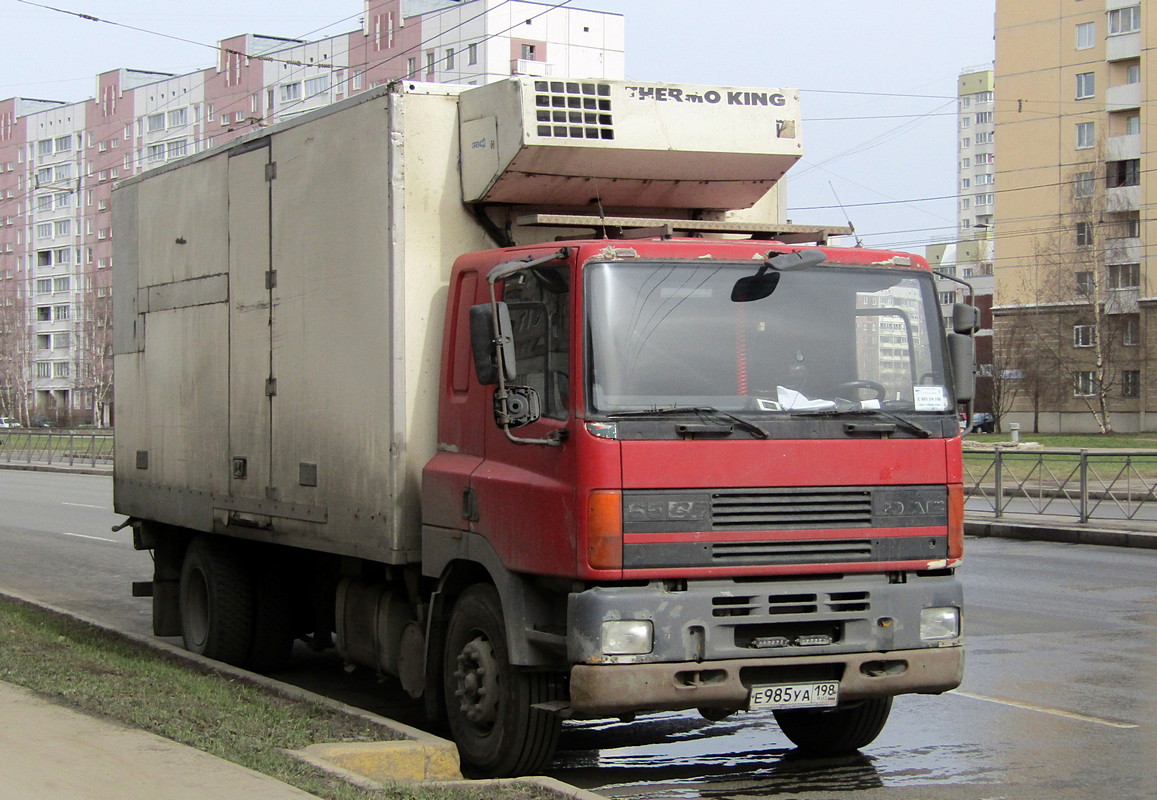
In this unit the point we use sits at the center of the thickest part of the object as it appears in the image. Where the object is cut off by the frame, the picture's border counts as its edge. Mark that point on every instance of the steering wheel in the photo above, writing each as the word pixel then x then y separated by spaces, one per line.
pixel 855 386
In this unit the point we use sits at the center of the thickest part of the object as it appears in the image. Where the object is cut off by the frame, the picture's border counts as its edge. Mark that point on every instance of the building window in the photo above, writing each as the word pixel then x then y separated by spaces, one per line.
pixel 63 144
pixel 1131 330
pixel 1133 73
pixel 176 148
pixel 985 97
pixel 1084 184
pixel 965 183
pixel 1124 276
pixel 315 86
pixel 411 66
pixel 965 163
pixel 44 285
pixel 985 138
pixel 1086 85
pixel 44 230
pixel 1133 125
pixel 1124 173
pixel 44 147
pixel 60 369
pixel 983 117
pixel 965 204
pixel 1085 285
pixel 449 59
pixel 43 369
pixel 528 51
pixel 1085 135
pixel 44 202
pixel 966 142
pixel 156 122
pixel 983 199
pixel 1131 383
pixel 1086 35
pixel 966 122
pixel 178 117
pixel 62 227
pixel 983 178
pixel 290 91
pixel 1084 234
pixel 472 54
pixel 60 284
pixel 64 200
pixel 1133 225
pixel 1124 20
pixel 1084 336
pixel 1084 384
pixel 60 312
pixel 43 341
pixel 60 341
pixel 430 62
pixel 155 153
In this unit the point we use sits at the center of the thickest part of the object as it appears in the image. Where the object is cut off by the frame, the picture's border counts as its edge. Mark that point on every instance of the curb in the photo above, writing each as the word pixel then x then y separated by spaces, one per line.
pixel 1044 532
pixel 73 470
pixel 412 756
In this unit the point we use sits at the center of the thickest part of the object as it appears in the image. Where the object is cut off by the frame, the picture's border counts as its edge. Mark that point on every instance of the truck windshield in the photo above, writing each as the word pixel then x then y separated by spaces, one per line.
pixel 831 338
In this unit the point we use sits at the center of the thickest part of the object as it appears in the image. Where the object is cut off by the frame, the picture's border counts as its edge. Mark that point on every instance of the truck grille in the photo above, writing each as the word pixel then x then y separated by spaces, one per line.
pixel 808 552
pixel 777 509
pixel 777 605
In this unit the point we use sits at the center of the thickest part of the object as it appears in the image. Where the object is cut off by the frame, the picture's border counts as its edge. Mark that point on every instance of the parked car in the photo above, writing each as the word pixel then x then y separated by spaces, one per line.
pixel 983 422
pixel 8 422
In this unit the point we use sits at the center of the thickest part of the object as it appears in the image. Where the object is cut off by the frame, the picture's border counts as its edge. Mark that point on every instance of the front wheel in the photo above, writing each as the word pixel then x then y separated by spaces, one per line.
pixel 842 729
pixel 489 703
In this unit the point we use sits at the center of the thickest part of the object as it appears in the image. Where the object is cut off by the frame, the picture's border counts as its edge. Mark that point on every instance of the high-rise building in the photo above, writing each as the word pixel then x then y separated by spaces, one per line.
pixel 968 254
pixel 59 160
pixel 1074 289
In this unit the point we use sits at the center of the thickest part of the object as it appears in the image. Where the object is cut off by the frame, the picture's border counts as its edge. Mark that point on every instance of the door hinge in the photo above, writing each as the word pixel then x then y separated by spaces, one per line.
pixel 270 279
pixel 271 171
pixel 271 387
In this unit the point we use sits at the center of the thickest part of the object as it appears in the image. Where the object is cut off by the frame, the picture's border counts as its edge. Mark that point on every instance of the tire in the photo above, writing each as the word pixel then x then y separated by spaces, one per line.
pixel 216 602
pixel 489 703
pixel 839 730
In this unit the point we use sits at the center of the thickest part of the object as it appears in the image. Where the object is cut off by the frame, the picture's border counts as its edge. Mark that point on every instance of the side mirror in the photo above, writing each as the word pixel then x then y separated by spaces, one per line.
pixel 763 283
pixel 489 345
pixel 965 318
pixel 962 351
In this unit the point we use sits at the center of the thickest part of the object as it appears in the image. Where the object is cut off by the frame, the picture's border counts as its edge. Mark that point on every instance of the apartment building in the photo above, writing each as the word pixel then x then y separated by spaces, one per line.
pixel 968 255
pixel 1075 295
pixel 59 160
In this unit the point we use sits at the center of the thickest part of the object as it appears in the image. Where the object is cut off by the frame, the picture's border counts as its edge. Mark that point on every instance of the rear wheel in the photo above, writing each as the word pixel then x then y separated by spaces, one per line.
pixel 489 703
pixel 838 730
pixel 216 602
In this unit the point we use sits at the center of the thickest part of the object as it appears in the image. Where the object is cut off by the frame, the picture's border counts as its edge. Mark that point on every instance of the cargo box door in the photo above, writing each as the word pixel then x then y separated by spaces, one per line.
pixel 249 324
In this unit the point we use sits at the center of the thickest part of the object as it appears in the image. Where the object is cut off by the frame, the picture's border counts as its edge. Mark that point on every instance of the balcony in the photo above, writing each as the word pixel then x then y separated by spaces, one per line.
pixel 1122 198
pixel 1122 46
pixel 1123 97
pixel 1122 301
pixel 1123 251
pixel 534 69
pixel 1119 148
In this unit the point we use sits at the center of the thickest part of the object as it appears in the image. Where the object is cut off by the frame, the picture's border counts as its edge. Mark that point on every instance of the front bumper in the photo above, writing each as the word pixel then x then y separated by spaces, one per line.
pixel 609 690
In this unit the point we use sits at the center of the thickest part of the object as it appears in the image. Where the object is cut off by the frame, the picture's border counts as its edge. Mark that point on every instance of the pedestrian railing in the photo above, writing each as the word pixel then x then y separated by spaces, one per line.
pixel 1086 484
pixel 93 448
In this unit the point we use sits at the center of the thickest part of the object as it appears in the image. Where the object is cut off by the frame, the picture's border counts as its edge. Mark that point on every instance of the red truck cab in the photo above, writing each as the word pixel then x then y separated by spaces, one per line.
pixel 697 473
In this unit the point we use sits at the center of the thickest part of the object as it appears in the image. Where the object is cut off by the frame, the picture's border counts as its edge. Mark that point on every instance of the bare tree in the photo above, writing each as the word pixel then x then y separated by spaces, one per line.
pixel 15 358
pixel 1071 334
pixel 94 374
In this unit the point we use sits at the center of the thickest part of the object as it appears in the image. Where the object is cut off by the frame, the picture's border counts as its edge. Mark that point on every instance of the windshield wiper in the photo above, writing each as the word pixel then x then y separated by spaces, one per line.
pixel 908 424
pixel 705 413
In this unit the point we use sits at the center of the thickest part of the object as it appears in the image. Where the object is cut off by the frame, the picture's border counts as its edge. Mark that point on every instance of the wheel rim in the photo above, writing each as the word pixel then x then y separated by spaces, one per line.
pixel 196 611
pixel 477 679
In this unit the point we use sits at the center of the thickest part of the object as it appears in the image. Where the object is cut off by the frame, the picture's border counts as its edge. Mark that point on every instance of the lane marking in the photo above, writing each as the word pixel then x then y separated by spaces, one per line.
pixel 86 536
pixel 86 505
pixel 1046 710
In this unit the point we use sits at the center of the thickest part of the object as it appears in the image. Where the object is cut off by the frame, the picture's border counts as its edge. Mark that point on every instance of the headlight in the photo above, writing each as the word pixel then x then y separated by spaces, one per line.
pixel 939 623
pixel 627 637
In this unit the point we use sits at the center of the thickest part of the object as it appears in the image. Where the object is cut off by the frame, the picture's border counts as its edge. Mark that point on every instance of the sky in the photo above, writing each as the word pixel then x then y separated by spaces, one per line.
pixel 877 79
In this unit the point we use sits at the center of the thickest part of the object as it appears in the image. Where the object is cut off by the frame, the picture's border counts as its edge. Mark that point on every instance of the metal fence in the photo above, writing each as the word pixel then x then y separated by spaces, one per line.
pixel 92 448
pixel 1086 484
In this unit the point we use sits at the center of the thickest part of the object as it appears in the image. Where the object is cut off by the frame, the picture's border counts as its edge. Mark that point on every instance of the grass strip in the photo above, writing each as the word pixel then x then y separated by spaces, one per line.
pixel 101 674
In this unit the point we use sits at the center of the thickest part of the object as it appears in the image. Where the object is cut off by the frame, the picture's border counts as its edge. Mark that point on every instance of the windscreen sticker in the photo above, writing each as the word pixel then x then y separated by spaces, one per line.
pixel 930 398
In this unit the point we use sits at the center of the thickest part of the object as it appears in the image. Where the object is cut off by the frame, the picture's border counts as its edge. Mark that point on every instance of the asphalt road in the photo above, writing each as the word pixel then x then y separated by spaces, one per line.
pixel 1058 700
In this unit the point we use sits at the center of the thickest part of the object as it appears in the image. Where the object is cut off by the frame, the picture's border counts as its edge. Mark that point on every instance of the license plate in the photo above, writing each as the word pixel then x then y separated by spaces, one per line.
pixel 824 694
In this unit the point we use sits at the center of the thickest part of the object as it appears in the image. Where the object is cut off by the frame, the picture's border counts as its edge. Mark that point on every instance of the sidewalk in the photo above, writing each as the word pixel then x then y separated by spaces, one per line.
pixel 1064 529
pixel 51 751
